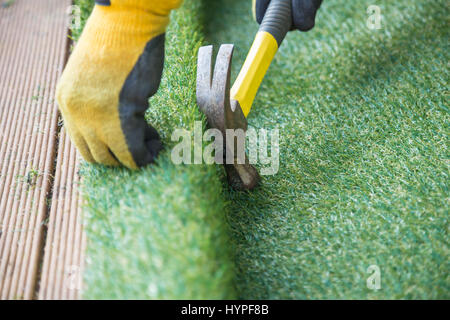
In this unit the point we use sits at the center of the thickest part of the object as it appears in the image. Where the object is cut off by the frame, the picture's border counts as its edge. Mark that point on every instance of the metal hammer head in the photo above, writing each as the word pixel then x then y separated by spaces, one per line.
pixel 213 99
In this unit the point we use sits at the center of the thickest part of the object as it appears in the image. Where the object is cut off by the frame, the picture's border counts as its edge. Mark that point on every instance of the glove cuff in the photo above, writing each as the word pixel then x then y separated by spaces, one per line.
pixel 123 24
pixel 157 7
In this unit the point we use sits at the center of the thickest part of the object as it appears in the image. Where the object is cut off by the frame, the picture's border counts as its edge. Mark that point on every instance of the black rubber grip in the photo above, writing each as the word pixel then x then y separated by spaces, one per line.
pixel 103 2
pixel 278 19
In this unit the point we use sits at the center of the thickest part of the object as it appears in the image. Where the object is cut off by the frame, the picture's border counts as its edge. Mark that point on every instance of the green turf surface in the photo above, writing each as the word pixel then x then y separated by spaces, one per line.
pixel 160 233
pixel 363 123
pixel 363 180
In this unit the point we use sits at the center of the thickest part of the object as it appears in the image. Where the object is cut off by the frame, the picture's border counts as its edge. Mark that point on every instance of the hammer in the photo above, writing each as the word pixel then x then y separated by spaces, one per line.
pixel 225 109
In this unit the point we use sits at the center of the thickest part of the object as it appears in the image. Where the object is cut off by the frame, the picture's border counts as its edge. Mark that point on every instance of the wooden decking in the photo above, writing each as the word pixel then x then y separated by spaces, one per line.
pixel 41 232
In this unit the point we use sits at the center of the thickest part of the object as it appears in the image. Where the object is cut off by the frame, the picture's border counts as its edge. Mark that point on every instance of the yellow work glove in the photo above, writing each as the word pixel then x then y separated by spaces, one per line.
pixel 104 90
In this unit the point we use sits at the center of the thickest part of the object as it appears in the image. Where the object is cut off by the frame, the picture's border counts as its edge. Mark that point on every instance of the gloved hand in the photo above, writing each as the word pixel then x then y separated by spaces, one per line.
pixel 303 12
pixel 104 90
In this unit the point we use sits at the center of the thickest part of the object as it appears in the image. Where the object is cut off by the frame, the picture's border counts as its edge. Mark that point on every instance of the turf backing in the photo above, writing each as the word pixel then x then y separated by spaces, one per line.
pixel 160 232
pixel 363 119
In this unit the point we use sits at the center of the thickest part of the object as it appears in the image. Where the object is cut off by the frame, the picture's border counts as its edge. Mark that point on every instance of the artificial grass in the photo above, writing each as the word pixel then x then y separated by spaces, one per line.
pixel 363 123
pixel 160 232
pixel 363 119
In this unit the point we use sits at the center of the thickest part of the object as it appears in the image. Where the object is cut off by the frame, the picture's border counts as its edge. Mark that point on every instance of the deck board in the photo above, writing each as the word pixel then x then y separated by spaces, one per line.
pixel 33 51
pixel 64 251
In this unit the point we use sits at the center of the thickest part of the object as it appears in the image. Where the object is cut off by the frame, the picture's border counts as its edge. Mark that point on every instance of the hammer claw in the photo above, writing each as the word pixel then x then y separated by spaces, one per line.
pixel 204 76
pixel 222 73
pixel 213 98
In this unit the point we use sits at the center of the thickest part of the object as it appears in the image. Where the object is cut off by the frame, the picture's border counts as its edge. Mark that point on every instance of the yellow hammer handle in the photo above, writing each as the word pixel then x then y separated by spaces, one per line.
pixel 274 27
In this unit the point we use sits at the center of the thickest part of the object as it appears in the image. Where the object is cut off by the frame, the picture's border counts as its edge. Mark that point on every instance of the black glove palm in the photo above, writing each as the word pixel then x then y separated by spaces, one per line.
pixel 303 12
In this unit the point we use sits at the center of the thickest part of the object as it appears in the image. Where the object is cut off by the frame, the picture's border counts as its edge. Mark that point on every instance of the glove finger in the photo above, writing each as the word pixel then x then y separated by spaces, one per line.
pixel 153 141
pixel 100 152
pixel 304 13
pixel 259 9
pixel 80 143
pixel 140 149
